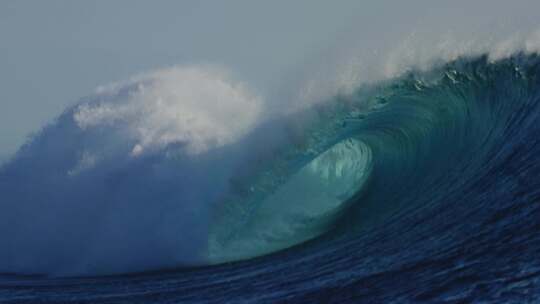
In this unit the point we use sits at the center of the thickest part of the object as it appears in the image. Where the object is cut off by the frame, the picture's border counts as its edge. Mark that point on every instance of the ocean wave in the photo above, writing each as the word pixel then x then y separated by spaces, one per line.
pixel 183 167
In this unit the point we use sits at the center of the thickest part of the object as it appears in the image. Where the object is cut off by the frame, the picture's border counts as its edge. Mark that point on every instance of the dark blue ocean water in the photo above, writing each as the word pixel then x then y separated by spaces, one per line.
pixel 450 214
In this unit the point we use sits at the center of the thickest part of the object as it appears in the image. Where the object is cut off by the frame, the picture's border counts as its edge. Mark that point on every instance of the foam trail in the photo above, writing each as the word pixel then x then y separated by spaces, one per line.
pixel 354 62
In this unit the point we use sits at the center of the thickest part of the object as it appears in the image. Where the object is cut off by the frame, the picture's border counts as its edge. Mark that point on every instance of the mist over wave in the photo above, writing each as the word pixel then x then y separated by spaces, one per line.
pixel 125 180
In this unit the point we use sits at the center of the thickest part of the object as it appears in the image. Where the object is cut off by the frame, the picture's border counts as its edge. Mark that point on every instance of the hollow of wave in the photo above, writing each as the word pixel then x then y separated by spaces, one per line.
pixel 301 208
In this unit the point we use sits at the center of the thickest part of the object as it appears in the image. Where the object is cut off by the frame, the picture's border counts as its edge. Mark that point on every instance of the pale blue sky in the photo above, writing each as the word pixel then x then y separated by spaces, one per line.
pixel 54 52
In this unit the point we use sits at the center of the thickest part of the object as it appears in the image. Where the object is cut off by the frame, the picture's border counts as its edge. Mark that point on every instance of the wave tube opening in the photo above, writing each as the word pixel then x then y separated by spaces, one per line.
pixel 303 207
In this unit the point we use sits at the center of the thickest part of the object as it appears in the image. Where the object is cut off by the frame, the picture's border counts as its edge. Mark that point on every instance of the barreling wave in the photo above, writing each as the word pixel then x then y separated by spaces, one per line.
pixel 426 138
pixel 438 165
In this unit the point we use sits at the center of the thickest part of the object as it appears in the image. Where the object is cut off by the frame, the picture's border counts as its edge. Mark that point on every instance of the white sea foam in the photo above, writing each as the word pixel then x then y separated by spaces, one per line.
pixel 196 106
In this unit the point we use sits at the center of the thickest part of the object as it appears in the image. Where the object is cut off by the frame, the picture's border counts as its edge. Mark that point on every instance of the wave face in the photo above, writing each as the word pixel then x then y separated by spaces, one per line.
pixel 420 188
